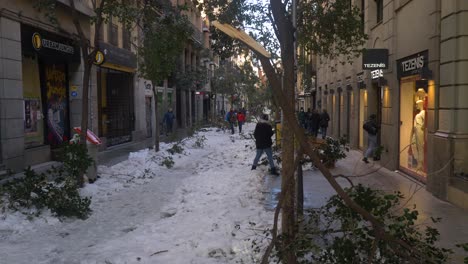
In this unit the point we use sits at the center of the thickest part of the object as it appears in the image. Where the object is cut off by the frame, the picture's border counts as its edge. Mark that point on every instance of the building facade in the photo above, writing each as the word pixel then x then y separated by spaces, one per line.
pixel 40 72
pixel 420 99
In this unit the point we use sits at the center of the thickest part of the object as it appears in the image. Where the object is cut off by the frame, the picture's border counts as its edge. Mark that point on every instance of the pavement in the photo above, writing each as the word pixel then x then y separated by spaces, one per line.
pixel 454 225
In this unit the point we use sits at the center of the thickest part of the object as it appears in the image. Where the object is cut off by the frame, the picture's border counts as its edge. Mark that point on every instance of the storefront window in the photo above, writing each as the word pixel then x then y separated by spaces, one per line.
pixel 33 117
pixel 413 105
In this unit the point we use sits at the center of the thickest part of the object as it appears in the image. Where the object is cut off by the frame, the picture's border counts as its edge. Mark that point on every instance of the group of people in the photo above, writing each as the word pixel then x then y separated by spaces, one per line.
pixel 236 118
pixel 314 121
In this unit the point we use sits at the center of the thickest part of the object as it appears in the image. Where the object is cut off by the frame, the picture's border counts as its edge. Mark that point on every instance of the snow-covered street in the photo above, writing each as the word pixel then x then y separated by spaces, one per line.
pixel 147 213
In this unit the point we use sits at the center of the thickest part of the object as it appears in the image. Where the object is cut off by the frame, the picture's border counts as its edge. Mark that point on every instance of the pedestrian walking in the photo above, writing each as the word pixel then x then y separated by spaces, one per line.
pixel 372 129
pixel 169 120
pixel 314 122
pixel 301 116
pixel 308 117
pixel 324 119
pixel 240 120
pixel 244 111
pixel 262 134
pixel 231 118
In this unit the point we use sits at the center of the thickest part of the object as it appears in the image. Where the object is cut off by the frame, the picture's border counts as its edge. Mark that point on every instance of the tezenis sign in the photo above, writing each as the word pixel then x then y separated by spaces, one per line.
pixel 375 59
pixel 412 65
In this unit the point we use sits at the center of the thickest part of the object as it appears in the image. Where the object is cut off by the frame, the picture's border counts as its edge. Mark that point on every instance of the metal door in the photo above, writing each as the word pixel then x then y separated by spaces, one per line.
pixel 119 109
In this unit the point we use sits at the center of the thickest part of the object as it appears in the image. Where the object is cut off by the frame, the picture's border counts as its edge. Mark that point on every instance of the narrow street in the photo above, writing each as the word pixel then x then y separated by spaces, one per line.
pixel 145 213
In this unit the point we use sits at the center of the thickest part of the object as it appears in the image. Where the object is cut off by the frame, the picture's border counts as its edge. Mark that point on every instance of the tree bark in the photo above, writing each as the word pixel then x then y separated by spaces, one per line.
pixel 88 60
pixel 288 224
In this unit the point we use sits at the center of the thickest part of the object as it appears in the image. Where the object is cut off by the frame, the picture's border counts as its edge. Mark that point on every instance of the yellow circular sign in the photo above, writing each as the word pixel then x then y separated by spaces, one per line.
pixel 37 41
pixel 99 58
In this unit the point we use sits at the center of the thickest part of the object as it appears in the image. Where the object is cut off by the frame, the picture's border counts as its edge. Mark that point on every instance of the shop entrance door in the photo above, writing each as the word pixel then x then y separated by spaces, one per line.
pixel 119 108
pixel 379 100
pixel 55 91
pixel 362 115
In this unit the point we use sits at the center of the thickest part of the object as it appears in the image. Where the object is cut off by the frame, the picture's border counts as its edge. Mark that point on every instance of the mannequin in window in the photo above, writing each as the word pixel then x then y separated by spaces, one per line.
pixel 417 135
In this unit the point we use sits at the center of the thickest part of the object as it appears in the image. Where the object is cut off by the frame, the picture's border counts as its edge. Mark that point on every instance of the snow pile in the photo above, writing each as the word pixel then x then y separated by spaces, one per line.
pixel 196 212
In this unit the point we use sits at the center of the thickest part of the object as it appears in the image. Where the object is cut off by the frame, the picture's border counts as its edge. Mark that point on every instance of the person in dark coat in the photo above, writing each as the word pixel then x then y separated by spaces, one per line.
pixel 301 116
pixel 324 119
pixel 169 120
pixel 263 133
pixel 372 128
pixel 308 117
pixel 314 122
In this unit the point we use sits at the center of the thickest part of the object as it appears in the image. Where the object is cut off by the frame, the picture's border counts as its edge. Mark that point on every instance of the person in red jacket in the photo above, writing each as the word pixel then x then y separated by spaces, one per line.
pixel 240 120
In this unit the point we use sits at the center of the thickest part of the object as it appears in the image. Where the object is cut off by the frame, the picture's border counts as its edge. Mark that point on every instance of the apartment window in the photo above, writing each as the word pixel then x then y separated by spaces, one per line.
pixel 113 34
pixel 379 4
pixel 126 39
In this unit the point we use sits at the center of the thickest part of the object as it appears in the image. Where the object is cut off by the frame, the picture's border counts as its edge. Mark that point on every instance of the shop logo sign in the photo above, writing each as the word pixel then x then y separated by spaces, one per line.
pixel 38 43
pixel 413 64
pixel 374 59
pixel 376 74
pixel 99 58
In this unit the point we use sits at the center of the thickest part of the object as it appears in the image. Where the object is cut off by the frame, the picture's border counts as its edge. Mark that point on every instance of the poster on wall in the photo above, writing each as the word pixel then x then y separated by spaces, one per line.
pixel 57 104
pixel 32 114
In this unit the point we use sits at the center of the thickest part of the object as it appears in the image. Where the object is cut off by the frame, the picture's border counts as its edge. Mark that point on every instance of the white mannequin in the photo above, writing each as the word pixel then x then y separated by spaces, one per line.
pixel 417 138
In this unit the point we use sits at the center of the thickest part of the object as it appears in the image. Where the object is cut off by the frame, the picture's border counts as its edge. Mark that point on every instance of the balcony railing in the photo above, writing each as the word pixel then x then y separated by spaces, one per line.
pixel 197 34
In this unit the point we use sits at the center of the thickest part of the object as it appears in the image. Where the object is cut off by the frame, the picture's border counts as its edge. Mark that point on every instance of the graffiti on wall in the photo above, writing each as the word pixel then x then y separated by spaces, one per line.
pixel 57 104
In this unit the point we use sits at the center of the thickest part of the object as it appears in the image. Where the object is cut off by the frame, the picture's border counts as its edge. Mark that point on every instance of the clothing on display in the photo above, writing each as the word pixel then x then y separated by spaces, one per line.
pixel 417 135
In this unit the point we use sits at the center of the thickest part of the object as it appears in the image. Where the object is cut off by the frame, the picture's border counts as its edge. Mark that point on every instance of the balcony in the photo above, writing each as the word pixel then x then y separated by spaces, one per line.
pixel 196 35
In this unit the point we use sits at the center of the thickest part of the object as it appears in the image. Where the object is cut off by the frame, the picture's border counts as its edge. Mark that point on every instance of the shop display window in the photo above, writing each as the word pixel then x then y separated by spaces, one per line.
pixel 413 132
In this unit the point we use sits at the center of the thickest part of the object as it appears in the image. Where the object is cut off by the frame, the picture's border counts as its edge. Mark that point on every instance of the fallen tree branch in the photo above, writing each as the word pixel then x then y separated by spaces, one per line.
pixel 159 252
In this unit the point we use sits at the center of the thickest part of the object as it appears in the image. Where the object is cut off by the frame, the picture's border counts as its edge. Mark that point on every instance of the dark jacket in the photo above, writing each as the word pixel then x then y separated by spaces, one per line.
pixel 263 132
pixel 371 127
pixel 324 118
pixel 315 120
pixel 168 117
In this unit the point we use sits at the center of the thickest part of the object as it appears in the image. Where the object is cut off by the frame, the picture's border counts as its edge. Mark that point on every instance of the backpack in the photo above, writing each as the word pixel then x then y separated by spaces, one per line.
pixel 232 118
pixel 370 128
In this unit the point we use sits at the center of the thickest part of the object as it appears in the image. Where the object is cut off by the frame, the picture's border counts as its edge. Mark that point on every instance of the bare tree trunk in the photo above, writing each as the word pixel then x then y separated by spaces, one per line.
pixel 300 190
pixel 156 119
pixel 84 110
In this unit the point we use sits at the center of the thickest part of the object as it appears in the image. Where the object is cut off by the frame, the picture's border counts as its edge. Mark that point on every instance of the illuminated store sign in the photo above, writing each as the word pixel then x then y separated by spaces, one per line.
pixel 413 65
pixel 376 74
pixel 373 59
